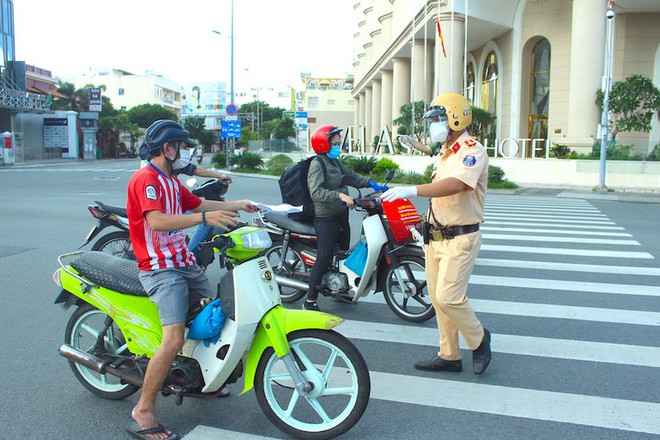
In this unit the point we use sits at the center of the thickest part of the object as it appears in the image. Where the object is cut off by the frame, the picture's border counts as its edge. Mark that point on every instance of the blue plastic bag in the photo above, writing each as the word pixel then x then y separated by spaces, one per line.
pixel 357 260
pixel 208 324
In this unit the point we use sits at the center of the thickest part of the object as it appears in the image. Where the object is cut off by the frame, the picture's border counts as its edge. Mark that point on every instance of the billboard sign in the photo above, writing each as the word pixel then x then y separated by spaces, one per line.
pixel 95 101
pixel 205 99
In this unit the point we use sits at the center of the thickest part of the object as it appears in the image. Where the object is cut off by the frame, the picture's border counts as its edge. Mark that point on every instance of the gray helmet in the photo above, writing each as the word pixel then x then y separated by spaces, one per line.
pixel 161 132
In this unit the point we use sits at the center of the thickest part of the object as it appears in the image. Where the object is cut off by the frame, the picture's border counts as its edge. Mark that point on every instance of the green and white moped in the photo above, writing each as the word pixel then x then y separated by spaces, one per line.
pixel 310 381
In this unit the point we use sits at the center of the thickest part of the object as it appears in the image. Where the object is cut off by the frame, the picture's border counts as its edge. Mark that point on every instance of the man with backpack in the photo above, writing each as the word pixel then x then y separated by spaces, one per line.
pixel 331 202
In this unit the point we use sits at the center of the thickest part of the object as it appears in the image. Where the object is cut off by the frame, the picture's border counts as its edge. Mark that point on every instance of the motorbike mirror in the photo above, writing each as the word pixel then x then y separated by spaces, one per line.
pixel 389 176
pixel 191 182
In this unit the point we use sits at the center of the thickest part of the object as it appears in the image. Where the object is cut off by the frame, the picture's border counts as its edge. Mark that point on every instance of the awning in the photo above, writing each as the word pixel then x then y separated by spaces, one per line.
pixel 55 93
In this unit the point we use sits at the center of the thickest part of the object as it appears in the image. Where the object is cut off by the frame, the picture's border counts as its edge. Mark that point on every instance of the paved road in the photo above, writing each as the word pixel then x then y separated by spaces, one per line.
pixel 568 288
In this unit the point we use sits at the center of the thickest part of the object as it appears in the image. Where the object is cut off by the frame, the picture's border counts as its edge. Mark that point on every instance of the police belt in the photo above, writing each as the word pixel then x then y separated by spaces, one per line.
pixel 441 232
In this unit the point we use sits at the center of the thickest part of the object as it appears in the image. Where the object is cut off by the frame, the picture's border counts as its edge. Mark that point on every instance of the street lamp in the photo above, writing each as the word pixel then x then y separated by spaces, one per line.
pixel 607 86
pixel 232 70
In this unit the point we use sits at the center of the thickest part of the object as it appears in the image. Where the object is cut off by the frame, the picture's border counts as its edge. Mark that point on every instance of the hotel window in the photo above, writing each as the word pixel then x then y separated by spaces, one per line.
pixel 540 90
pixel 489 84
pixel 120 92
pixel 469 83
pixel 313 102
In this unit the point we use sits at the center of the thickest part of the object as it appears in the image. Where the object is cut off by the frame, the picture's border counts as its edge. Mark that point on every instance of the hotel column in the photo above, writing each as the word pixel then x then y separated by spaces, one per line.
pixel 376 99
pixel 368 109
pixel 586 71
pixel 361 109
pixel 423 91
pixel 386 99
pixel 400 86
pixel 450 69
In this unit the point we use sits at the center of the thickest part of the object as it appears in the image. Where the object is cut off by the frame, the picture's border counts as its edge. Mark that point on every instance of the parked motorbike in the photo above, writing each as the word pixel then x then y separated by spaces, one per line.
pixel 118 242
pixel 310 381
pixel 394 262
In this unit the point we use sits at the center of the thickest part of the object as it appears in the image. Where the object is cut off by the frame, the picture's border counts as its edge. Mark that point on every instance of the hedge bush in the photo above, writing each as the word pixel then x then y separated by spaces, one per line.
pixel 278 163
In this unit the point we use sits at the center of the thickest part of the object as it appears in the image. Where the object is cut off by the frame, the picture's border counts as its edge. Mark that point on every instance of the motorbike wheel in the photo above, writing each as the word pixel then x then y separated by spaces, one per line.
pixel 116 243
pixel 294 267
pixel 340 379
pixel 81 332
pixel 413 302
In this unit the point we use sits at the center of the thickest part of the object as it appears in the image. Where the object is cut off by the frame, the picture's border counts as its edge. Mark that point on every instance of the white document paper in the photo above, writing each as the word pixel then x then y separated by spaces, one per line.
pixel 283 208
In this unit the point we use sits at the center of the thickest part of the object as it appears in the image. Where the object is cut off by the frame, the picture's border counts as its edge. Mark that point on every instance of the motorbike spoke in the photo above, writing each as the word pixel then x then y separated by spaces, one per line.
pixel 347 391
pixel 292 403
pixel 90 330
pixel 279 377
pixel 307 363
pixel 316 405
pixel 329 364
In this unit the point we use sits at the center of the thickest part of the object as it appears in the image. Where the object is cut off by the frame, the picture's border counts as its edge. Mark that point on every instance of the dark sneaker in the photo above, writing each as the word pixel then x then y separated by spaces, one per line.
pixel 439 364
pixel 307 305
pixel 481 356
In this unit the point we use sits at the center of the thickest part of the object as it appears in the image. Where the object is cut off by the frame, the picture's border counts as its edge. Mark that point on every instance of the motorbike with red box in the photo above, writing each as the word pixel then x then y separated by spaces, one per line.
pixel 388 258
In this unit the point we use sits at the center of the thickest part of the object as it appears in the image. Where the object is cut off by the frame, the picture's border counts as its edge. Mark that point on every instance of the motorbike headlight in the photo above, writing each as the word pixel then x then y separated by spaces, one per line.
pixel 259 239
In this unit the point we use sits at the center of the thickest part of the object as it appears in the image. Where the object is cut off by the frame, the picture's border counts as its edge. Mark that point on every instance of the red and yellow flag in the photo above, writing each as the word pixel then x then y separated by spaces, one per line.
pixel 442 42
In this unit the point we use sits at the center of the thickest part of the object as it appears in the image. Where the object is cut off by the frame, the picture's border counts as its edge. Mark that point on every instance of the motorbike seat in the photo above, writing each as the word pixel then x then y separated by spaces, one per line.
pixel 114 273
pixel 120 211
pixel 285 222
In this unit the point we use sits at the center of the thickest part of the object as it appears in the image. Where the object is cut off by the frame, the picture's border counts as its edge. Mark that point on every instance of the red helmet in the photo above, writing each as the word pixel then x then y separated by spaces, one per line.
pixel 321 138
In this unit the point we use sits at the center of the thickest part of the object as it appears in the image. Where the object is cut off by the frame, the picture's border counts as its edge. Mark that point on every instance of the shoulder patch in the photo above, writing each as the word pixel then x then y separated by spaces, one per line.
pixel 151 192
pixel 470 142
pixel 469 160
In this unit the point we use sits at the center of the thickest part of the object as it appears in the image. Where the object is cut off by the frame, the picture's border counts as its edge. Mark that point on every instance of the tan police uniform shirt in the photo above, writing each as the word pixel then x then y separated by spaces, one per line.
pixel 466 161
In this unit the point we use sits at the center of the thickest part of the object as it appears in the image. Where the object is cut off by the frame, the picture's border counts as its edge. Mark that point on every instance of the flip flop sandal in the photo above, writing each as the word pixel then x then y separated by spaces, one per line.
pixel 135 430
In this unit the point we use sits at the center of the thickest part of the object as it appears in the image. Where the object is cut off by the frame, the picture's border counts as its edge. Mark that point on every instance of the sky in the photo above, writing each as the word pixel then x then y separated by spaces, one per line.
pixel 274 40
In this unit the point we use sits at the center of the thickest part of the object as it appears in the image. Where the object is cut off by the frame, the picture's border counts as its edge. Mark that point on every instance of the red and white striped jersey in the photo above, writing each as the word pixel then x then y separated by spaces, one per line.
pixel 151 190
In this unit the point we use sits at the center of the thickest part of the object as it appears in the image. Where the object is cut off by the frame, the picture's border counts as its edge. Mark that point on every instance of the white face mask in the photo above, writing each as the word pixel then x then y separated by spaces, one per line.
pixel 438 132
pixel 182 161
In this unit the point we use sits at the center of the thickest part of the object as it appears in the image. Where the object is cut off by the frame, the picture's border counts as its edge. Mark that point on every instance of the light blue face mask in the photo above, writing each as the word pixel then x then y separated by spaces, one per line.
pixel 334 152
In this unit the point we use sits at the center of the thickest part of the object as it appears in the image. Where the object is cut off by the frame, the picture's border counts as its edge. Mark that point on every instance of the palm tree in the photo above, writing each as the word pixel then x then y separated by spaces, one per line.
pixel 71 97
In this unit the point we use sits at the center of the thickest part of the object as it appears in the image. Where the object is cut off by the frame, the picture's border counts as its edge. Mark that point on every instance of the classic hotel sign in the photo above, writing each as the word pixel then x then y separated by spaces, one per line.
pixel 507 148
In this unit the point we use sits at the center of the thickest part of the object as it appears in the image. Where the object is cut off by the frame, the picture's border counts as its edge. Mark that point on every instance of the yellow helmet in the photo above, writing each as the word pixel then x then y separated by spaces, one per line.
pixel 455 106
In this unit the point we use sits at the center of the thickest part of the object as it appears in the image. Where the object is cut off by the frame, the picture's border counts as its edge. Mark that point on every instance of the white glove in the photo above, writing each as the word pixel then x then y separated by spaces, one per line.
pixel 399 192
pixel 405 139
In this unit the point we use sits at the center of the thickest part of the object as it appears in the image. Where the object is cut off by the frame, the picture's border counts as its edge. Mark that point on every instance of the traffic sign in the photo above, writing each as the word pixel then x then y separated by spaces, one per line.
pixel 231 109
pixel 231 129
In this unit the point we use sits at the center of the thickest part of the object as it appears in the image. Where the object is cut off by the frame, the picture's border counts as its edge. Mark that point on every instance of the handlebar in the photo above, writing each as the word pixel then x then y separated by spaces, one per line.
pixel 211 189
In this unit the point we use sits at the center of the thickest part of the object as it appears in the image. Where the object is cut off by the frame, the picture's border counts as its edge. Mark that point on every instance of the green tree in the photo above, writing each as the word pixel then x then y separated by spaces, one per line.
pixel 481 120
pixel 284 129
pixel 632 104
pixel 195 125
pixel 71 97
pixel 146 114
pixel 404 121
pixel 269 127
pixel 207 138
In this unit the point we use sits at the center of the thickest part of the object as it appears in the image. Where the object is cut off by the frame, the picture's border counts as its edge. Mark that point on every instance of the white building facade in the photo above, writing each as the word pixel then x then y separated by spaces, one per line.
pixel 536 65
pixel 127 90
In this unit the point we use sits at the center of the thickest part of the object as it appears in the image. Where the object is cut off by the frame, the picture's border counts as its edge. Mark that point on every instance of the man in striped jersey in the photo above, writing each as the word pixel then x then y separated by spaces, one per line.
pixel 156 205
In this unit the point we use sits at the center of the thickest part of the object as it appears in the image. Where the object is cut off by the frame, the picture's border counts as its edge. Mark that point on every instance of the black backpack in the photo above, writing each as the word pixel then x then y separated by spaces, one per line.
pixel 293 186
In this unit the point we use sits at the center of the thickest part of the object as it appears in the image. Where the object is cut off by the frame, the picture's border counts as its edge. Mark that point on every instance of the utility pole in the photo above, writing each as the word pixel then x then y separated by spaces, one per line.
pixel 606 86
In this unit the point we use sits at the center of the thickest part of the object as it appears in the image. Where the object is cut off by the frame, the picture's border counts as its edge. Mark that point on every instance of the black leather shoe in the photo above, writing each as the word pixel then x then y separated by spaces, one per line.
pixel 481 356
pixel 439 364
pixel 313 305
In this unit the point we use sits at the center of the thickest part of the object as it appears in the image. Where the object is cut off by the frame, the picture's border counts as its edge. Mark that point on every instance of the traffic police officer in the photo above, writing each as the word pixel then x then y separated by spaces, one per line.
pixel 457 191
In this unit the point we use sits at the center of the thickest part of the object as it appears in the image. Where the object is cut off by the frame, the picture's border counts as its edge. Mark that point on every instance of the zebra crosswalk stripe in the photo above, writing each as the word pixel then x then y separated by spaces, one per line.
pixel 517 402
pixel 512 344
